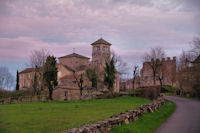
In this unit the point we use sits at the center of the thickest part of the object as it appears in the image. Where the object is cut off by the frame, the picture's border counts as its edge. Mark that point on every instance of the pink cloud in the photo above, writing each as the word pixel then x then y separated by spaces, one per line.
pixel 21 48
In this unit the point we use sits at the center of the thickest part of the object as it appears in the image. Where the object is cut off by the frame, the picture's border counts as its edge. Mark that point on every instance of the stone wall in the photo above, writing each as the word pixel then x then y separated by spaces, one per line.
pixel 64 93
pixel 24 99
pixel 127 117
pixel 168 69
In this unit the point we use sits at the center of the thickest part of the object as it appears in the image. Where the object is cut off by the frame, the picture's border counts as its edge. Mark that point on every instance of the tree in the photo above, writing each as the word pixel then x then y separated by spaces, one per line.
pixel 35 84
pixel 17 81
pixel 6 79
pixel 92 76
pixel 119 64
pixel 38 58
pixel 195 46
pixel 135 73
pixel 153 58
pixel 161 76
pixel 109 76
pixel 50 74
pixel 79 82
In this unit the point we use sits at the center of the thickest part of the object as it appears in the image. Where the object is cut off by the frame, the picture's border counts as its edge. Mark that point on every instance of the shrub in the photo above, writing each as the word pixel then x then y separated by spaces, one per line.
pixel 151 92
pixel 13 94
pixel 196 90
pixel 186 92
pixel 170 89
pixel 5 93
pixel 132 92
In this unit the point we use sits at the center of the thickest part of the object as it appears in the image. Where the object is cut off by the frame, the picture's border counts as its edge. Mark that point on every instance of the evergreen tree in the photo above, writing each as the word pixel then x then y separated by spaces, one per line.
pixel 109 76
pixel 17 81
pixel 50 74
pixel 92 76
pixel 35 84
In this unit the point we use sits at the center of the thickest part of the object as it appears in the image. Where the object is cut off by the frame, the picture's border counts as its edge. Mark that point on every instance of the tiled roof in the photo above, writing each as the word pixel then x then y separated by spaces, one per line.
pixel 101 41
pixel 27 70
pixel 74 55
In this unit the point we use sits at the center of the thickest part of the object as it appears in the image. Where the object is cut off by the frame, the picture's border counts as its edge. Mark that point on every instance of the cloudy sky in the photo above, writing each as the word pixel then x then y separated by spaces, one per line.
pixel 132 26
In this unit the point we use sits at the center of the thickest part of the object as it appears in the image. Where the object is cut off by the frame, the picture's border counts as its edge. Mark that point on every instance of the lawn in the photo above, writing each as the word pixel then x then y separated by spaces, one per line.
pixel 149 122
pixel 58 116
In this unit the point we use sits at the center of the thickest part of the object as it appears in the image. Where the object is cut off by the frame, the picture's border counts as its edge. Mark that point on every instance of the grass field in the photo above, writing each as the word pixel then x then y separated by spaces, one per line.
pixel 58 116
pixel 149 122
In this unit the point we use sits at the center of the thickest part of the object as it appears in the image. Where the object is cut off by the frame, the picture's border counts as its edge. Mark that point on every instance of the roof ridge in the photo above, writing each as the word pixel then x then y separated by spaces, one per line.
pixel 101 41
pixel 74 55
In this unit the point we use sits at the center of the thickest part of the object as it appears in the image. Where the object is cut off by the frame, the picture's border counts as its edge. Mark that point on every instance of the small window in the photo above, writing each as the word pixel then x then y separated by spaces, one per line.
pixel 106 48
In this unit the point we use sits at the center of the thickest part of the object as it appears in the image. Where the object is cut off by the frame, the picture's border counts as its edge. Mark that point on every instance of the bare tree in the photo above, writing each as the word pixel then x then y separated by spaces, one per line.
pixel 38 58
pixel 161 76
pixel 6 79
pixel 153 58
pixel 120 65
pixel 79 82
pixel 196 46
pixel 184 59
pixel 135 74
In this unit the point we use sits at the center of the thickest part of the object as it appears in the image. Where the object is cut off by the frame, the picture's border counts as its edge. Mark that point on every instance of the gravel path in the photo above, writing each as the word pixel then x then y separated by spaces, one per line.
pixel 185 119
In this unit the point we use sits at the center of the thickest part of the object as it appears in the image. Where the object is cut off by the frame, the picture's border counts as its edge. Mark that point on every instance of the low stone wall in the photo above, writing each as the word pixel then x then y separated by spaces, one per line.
pixel 24 99
pixel 127 117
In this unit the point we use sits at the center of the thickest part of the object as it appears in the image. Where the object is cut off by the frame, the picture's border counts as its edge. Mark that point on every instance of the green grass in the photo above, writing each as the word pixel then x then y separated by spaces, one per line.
pixel 57 116
pixel 149 122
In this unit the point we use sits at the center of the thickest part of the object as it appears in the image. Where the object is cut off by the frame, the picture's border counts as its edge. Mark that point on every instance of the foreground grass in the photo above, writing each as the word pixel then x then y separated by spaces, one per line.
pixel 58 116
pixel 148 122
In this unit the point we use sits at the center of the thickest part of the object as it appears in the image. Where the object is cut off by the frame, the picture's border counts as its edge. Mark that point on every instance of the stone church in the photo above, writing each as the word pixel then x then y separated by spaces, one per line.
pixel 66 80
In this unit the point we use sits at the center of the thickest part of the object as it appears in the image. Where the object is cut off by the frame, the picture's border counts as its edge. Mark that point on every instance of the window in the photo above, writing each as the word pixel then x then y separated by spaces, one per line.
pixel 22 76
pixel 97 48
pixel 106 48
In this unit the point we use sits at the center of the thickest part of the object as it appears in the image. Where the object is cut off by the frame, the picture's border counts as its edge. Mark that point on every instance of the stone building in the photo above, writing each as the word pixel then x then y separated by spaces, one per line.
pixel 78 63
pixel 26 78
pixel 128 84
pixel 189 75
pixel 166 69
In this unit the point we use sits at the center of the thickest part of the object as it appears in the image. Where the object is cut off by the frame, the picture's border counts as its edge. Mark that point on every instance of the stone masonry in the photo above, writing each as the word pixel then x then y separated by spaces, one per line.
pixel 168 69
pixel 127 117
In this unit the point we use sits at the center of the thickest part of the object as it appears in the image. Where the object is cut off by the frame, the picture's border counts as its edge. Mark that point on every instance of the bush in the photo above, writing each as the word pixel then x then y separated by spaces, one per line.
pixel 151 92
pixel 13 94
pixel 132 92
pixel 196 90
pixel 186 92
pixel 170 89
pixel 5 93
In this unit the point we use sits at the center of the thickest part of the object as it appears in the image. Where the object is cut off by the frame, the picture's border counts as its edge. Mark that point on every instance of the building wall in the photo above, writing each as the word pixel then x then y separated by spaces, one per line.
pixel 26 80
pixel 168 68
pixel 74 62
pixel 62 71
pixel 100 53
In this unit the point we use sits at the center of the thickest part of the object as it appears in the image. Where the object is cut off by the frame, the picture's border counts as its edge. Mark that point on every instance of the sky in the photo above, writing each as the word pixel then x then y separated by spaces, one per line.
pixel 131 26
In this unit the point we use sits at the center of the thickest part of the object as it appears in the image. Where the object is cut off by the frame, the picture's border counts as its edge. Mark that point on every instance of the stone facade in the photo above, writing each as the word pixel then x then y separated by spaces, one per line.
pixel 75 62
pixel 168 69
pixel 26 78
pixel 127 117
